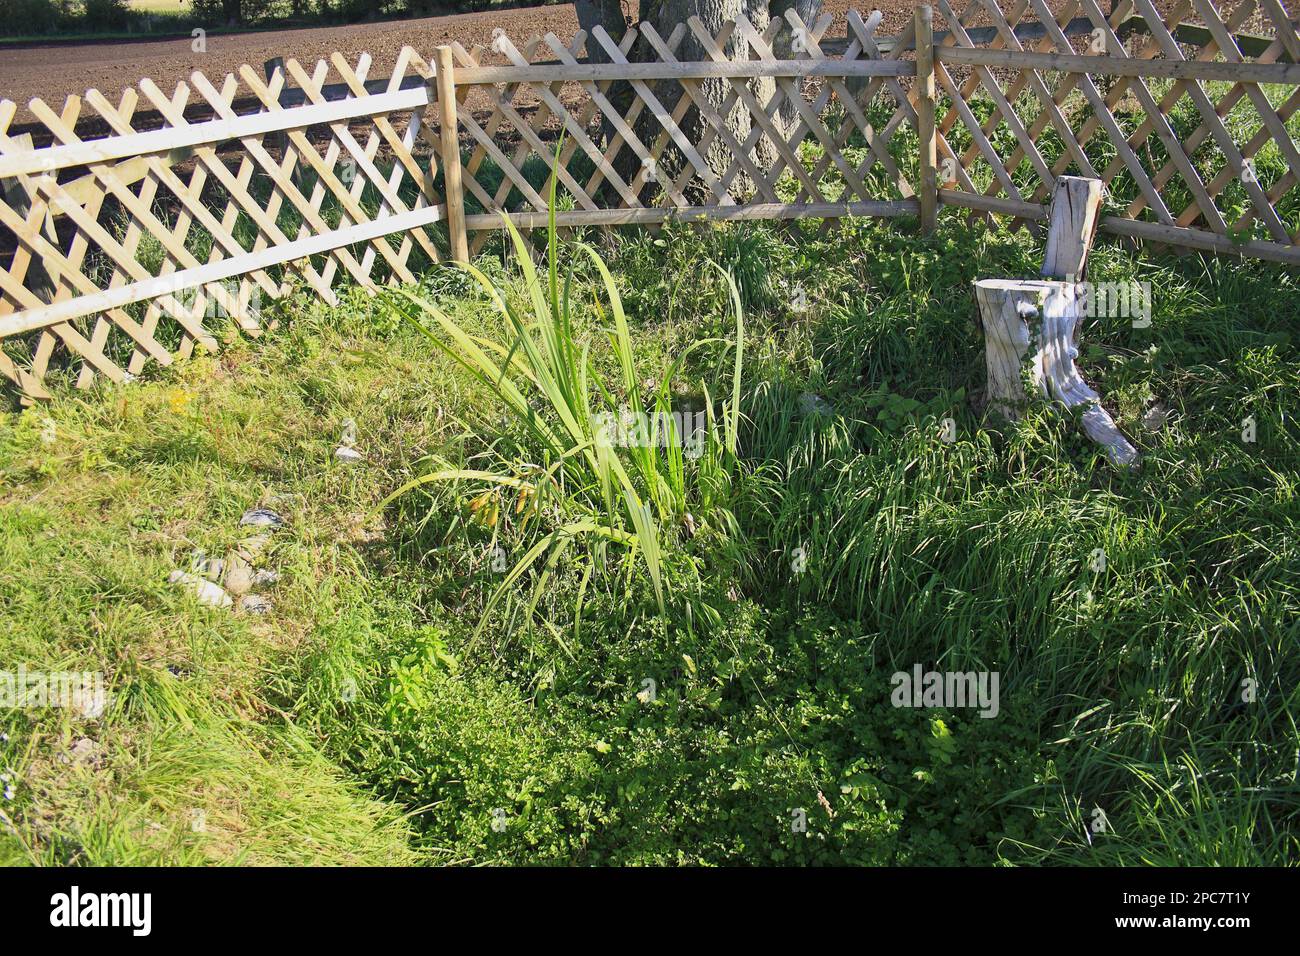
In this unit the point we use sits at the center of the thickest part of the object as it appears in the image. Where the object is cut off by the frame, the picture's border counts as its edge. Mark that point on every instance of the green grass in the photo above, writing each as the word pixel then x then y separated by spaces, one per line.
pixel 362 721
pixel 138 478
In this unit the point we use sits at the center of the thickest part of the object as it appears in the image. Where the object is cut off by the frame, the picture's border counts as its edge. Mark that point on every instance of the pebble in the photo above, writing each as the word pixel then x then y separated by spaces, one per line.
pixel 264 577
pixel 239 575
pixel 213 595
pixel 262 518
pixel 256 604
pixel 83 751
pixel 1156 417
pixel 252 547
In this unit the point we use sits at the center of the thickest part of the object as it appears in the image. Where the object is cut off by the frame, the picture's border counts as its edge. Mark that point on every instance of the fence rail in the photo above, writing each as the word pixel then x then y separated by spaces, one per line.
pixel 141 244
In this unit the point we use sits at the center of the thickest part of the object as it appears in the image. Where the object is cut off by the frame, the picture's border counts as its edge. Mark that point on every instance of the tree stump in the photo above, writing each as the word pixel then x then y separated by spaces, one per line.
pixel 1030 325
pixel 1076 208
pixel 1029 334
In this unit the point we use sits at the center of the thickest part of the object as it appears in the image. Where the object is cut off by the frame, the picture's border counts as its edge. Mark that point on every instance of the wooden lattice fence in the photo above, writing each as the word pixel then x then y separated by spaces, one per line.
pixel 199 205
pixel 1183 161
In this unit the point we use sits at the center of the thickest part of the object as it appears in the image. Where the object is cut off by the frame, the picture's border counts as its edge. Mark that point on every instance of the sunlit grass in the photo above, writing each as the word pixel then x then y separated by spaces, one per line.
pixel 1123 689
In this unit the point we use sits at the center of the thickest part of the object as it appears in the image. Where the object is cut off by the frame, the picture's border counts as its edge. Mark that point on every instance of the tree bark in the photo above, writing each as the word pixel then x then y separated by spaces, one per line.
pixel 609 15
pixel 1029 336
pixel 605 13
pixel 712 13
pixel 808 11
pixel 664 16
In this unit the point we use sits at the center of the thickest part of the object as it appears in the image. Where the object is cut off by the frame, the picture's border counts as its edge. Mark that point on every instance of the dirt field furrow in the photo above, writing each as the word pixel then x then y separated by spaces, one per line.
pixel 56 71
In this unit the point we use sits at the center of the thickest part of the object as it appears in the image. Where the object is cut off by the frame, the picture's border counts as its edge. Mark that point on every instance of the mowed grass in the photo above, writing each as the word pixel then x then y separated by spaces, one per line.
pixel 388 711
pixel 104 494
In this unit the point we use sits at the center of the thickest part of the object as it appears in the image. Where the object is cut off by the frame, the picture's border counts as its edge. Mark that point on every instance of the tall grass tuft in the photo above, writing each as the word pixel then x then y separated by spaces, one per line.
pixel 567 471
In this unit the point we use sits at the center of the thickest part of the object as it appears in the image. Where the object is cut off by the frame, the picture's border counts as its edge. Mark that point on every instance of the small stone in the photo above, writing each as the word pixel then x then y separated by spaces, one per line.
pixel 210 568
pixel 345 452
pixel 265 577
pixel 208 593
pixel 256 604
pixel 262 518
pixel 82 752
pixel 239 575
pixel 1155 418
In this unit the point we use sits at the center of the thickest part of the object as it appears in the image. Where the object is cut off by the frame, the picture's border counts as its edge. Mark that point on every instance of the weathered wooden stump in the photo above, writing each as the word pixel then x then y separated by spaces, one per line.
pixel 1030 325
pixel 1072 225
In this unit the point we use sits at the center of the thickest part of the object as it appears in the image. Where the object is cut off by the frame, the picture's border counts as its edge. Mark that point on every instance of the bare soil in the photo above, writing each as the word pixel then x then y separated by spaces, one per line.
pixel 55 71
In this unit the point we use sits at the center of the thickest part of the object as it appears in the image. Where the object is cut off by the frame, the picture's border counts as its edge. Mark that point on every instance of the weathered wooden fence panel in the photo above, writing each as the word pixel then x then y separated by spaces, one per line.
pixel 141 244
pixel 171 230
pixel 1190 134
pixel 649 141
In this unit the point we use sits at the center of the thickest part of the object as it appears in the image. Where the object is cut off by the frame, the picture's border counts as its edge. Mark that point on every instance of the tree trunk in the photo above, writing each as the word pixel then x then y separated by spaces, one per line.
pixel 712 13
pixel 664 16
pixel 1076 209
pixel 1030 325
pixel 608 14
pixel 783 47
pixel 605 13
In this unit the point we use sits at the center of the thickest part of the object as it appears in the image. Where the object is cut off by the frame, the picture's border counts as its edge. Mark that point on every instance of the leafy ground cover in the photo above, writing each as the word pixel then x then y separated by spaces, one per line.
pixel 552 649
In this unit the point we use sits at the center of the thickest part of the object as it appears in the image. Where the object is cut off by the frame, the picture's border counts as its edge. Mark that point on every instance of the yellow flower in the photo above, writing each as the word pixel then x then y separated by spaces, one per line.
pixel 484 509
pixel 178 399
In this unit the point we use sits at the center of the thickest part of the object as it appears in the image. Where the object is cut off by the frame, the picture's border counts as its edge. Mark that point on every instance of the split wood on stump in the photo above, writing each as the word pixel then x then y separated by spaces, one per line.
pixel 1030 325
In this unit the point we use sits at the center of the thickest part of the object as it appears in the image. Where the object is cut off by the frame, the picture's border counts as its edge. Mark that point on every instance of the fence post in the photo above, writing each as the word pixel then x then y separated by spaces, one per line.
pixel 453 191
pixel 929 155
